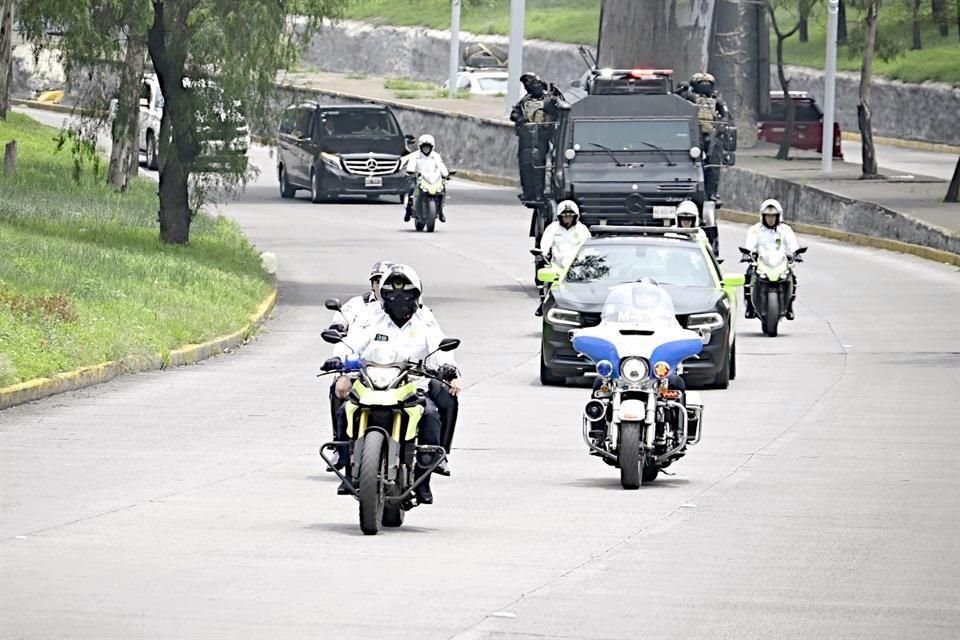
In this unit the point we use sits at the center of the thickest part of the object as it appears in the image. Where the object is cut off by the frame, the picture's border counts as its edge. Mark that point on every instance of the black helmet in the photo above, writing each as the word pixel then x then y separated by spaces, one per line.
pixel 400 293
pixel 529 78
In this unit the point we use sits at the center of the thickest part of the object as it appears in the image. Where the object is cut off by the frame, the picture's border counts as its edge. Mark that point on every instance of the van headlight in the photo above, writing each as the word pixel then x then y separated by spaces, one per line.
pixel 634 369
pixel 331 160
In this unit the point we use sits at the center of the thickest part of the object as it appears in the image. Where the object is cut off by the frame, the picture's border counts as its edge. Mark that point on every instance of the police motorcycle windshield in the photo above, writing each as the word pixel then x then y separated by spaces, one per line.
pixel 431 180
pixel 383 366
pixel 638 321
pixel 772 261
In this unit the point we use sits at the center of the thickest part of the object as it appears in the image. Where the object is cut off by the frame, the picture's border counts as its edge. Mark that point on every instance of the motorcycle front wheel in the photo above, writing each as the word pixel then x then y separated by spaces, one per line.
pixel 430 214
pixel 771 318
pixel 373 470
pixel 628 455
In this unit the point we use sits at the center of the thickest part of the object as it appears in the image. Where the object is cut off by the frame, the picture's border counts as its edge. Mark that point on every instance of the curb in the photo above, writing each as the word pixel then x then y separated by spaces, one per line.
pixel 39 388
pixel 917 145
pixel 57 108
pixel 852 238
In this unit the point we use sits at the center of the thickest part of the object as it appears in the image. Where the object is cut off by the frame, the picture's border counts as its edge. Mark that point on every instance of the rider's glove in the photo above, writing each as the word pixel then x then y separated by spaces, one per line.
pixel 332 364
pixel 447 372
pixel 541 261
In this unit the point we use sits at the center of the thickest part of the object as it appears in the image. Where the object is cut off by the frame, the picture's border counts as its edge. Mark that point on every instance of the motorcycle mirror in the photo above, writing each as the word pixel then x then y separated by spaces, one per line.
pixel 547 275
pixel 332 304
pixel 449 344
pixel 744 251
pixel 800 250
pixel 332 336
pixel 452 172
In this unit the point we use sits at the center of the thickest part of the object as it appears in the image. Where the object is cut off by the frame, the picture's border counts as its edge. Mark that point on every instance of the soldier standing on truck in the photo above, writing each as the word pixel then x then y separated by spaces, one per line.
pixel 538 108
pixel 712 111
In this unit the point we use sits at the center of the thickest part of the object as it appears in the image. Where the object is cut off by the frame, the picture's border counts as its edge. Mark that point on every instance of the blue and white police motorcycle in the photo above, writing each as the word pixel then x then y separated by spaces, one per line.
pixel 640 418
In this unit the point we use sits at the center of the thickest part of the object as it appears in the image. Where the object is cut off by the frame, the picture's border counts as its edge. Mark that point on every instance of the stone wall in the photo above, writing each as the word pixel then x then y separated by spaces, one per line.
pixel 926 112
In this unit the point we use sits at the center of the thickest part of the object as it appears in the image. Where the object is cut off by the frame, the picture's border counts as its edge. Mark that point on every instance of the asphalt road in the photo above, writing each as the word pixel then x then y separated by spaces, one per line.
pixel 824 500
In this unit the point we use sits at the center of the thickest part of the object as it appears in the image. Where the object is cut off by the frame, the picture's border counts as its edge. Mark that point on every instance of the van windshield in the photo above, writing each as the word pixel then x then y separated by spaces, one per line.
pixel 365 123
pixel 630 135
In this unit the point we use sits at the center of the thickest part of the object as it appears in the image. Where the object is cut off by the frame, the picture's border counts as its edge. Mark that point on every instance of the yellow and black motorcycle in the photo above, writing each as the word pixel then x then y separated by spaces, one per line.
pixel 383 413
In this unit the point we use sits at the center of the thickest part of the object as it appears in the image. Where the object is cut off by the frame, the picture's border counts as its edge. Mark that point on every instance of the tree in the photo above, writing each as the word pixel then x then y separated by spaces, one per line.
pixel 801 9
pixel 917 26
pixel 868 152
pixel 953 192
pixel 6 55
pixel 213 57
pixel 939 8
pixel 104 38
pixel 842 22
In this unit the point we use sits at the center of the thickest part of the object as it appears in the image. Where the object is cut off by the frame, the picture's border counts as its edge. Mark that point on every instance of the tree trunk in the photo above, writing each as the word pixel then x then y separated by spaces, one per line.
pixel 917 27
pixel 6 55
pixel 866 77
pixel 842 23
pixel 804 36
pixel 124 154
pixel 784 152
pixel 958 18
pixel 166 41
pixel 953 193
pixel 940 17
pixel 10 158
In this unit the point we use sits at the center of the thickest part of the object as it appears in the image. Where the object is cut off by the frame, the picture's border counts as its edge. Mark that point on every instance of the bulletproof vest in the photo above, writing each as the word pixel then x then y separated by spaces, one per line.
pixel 533 110
pixel 707 112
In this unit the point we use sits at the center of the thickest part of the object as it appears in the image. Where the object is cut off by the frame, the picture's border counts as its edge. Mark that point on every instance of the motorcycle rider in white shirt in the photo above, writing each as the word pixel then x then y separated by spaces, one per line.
pixel 415 337
pixel 688 217
pixel 425 158
pixel 562 239
pixel 771 230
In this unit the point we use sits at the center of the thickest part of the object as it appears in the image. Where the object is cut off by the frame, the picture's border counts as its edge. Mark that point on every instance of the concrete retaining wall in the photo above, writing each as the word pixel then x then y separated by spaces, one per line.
pixel 926 112
pixel 489 147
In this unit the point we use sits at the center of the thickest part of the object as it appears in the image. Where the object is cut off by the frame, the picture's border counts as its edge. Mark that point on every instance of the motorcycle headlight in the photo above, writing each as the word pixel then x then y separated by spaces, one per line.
pixel 634 369
pixel 381 377
pixel 563 317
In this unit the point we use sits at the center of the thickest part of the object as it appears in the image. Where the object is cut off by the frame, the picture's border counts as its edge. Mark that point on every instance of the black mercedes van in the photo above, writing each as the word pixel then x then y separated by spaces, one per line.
pixel 342 150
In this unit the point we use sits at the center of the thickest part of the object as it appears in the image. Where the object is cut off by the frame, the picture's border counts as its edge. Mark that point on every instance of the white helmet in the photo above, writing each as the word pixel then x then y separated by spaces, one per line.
pixel 568 206
pixel 426 139
pixel 400 292
pixel 688 209
pixel 771 207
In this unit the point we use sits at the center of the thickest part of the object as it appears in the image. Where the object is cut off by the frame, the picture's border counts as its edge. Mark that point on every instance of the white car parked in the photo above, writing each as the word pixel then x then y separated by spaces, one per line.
pixel 151 112
pixel 482 82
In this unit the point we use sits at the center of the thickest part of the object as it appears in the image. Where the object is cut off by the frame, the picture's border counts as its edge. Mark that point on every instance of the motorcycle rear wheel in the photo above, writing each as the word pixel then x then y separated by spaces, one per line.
pixel 628 456
pixel 772 316
pixel 373 469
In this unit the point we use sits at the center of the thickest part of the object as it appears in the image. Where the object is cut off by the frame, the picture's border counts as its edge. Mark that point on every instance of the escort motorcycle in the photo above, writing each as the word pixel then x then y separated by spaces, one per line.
pixel 772 283
pixel 429 197
pixel 383 413
pixel 639 418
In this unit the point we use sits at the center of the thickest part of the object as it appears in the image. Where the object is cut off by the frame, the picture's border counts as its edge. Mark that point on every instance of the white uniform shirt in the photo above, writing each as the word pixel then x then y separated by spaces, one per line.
pixel 563 243
pixel 419 336
pixel 762 236
pixel 420 163
pixel 352 310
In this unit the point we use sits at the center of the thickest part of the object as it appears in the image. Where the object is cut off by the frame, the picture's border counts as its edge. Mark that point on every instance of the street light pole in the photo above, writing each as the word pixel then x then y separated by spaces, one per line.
pixel 454 47
pixel 515 65
pixel 829 87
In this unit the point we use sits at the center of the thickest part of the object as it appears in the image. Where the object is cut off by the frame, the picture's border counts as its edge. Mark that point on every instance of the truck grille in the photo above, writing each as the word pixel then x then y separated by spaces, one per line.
pixel 372 166
pixel 676 187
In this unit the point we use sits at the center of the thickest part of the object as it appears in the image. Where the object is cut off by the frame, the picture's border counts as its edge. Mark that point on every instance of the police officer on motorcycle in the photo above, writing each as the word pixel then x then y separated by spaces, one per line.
pixel 770 230
pixel 415 336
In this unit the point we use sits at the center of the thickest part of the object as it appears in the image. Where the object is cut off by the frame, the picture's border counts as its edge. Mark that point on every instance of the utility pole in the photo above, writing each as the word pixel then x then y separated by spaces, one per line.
pixel 829 88
pixel 518 12
pixel 454 47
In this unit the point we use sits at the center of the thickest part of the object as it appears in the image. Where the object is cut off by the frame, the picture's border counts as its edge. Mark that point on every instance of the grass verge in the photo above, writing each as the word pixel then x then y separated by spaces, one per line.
pixel 560 20
pixel 84 278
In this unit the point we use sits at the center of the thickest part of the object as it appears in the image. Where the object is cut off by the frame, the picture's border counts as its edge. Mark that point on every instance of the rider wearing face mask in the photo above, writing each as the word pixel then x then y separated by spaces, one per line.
pixel 770 231
pixel 425 158
pixel 414 336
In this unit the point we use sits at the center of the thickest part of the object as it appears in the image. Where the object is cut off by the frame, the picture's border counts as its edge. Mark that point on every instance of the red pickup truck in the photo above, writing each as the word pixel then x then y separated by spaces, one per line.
pixel 807 124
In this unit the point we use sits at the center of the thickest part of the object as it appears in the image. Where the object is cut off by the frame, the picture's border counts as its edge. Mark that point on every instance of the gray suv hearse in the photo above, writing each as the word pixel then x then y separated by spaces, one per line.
pixel 342 150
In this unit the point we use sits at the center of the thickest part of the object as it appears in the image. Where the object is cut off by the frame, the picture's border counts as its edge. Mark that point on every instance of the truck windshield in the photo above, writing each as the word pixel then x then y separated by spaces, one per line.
pixel 630 135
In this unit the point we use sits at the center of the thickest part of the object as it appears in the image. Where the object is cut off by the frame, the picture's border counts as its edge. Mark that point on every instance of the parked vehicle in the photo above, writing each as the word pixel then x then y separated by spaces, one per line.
pixel 482 82
pixel 639 417
pixel 772 285
pixel 383 414
pixel 342 150
pixel 807 123
pixel 228 134
pixel 705 298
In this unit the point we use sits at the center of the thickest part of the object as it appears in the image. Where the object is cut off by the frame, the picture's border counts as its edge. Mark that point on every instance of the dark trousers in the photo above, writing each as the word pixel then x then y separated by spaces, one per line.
pixel 448 407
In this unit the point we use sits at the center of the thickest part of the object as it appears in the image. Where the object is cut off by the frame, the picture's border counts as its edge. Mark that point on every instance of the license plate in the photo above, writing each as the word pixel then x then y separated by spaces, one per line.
pixel 664 213
pixel 373 182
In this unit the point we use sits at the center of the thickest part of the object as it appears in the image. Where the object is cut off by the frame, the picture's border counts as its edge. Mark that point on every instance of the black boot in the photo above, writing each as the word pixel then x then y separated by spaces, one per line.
pixel 440 216
pixel 539 311
pixel 408 212
pixel 423 493
pixel 343 489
